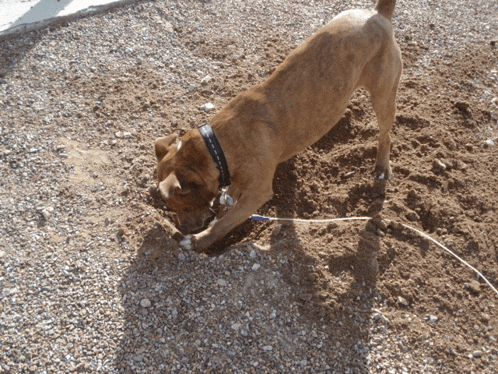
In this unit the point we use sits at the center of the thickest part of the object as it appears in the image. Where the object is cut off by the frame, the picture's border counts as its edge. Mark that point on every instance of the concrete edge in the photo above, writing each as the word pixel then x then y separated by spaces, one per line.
pixel 57 21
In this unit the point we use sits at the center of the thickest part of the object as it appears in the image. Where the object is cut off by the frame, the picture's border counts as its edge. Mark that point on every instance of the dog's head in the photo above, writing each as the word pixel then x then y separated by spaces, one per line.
pixel 186 177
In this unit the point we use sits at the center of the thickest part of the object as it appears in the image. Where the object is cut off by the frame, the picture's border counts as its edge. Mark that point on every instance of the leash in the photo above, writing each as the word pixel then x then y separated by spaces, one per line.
pixel 257 217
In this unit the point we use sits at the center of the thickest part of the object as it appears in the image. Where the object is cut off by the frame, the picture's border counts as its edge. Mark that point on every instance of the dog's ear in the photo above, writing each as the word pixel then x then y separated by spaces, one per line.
pixel 162 145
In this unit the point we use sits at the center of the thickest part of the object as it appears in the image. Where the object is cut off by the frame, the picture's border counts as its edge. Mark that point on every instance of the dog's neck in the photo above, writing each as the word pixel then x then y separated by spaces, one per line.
pixel 217 154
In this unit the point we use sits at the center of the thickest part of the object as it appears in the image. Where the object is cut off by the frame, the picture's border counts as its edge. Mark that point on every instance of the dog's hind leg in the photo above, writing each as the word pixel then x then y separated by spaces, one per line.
pixel 383 93
pixel 385 108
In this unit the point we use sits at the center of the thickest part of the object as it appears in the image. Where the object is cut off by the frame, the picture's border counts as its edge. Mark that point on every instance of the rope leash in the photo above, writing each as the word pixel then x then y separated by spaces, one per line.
pixel 257 217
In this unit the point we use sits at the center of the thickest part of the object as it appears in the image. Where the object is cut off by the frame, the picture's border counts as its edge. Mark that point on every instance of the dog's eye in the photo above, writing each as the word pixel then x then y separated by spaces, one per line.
pixel 188 187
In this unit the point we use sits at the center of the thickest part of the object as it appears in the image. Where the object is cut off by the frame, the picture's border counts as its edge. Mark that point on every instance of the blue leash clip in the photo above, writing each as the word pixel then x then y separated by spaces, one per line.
pixel 257 217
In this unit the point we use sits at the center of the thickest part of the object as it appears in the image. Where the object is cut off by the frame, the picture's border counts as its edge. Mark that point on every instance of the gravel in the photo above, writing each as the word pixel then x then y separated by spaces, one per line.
pixel 81 291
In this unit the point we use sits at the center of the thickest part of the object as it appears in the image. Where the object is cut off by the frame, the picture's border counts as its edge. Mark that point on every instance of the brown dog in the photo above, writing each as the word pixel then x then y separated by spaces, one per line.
pixel 271 122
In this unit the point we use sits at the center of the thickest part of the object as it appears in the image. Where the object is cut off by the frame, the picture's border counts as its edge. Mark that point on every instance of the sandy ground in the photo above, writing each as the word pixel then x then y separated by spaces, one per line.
pixel 91 280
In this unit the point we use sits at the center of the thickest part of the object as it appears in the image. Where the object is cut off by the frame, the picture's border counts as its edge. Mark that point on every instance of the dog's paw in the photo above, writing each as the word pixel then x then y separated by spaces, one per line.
pixel 383 174
pixel 226 199
pixel 187 242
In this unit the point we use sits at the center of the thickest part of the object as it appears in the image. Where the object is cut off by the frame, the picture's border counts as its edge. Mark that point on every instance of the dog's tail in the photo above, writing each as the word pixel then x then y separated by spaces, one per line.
pixel 386 7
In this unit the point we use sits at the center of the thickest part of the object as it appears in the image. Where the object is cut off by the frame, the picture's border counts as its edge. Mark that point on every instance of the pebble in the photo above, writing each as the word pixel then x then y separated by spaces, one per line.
pixel 477 354
pixel 305 296
pixel 485 317
pixel 207 79
pixel 463 106
pixel 473 286
pixel 433 319
pixel 412 216
pixel 207 107
pixel 256 266
pixel 403 301
pixel 438 166
pixel 221 282
pixel 145 303
pixel 380 223
pixel 47 213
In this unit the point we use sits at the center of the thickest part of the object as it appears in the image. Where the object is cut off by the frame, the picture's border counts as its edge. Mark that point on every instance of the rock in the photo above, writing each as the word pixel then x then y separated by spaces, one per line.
pixel 207 107
pixel 236 326
pixel 462 106
pixel 277 229
pixel 294 279
pixel 145 303
pixel 485 317
pixel 433 319
pixel 47 212
pixel 79 368
pixel 438 166
pixel 3 81
pixel 474 286
pixel 207 79
pixel 305 296
pixel 221 282
pixel 256 266
pixel 459 165
pixel 118 134
pixel 380 223
pixel 477 354
pixel 393 225
pixel 402 301
pixel 489 143
pixel 377 317
pixel 331 226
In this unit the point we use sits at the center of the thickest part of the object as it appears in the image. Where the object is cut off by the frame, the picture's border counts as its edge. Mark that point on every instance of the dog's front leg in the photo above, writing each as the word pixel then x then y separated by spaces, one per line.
pixel 247 204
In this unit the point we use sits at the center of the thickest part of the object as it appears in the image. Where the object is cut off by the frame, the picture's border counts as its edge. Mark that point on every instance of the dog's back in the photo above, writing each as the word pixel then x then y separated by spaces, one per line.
pixel 308 93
